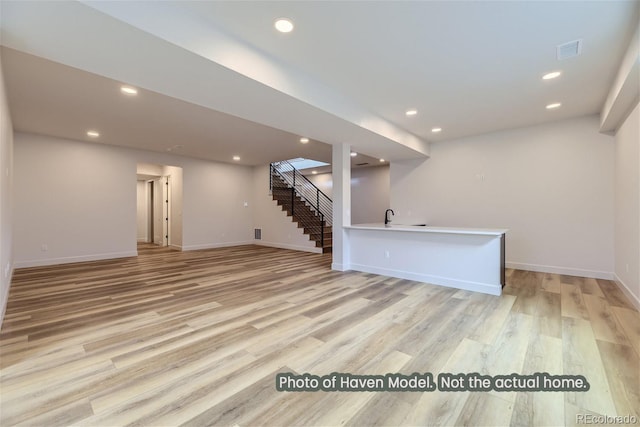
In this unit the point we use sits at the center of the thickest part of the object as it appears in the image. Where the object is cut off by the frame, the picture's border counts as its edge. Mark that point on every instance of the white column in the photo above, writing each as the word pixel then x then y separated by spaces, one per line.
pixel 341 171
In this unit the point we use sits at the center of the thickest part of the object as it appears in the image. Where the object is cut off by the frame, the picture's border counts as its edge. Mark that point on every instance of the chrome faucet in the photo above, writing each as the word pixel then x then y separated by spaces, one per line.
pixel 387 220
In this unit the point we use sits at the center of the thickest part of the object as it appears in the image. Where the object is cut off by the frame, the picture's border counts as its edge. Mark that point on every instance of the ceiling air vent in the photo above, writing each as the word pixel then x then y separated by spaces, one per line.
pixel 569 49
pixel 362 164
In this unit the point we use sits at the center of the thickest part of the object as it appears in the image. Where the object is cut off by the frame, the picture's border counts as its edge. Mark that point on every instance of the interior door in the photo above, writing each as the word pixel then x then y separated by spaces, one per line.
pixel 158 212
pixel 167 210
pixel 150 212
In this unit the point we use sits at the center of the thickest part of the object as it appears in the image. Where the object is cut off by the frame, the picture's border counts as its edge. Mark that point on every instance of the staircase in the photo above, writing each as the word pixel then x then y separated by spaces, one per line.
pixel 309 207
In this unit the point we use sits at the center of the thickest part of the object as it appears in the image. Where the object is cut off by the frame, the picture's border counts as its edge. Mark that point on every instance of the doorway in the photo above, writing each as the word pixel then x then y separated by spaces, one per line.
pixel 159 207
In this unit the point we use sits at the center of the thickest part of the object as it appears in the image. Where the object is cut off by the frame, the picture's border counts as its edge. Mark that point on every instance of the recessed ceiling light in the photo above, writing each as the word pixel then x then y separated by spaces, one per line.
pixel 304 140
pixel 314 172
pixel 381 160
pixel 436 130
pixel 553 106
pixel 551 75
pixel 284 25
pixel 353 154
pixel 236 158
pixel 411 112
pixel 93 133
pixel 128 90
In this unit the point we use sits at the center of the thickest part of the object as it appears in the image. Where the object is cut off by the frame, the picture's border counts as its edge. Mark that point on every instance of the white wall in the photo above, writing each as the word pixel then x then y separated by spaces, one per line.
pixel 142 212
pixel 6 198
pixel 324 181
pixel 627 204
pixel 79 199
pixel 149 169
pixel 214 214
pixel 278 230
pixel 369 192
pixel 550 185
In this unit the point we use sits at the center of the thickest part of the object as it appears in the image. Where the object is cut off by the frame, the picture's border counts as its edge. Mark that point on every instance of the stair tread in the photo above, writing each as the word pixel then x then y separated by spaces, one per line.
pixel 302 214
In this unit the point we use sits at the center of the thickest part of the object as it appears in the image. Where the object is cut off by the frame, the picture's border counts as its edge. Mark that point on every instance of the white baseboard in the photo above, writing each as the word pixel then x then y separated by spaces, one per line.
pixel 339 266
pixel 177 247
pixel 594 274
pixel 216 245
pixel 287 246
pixel 4 298
pixel 635 299
pixel 485 288
pixel 72 259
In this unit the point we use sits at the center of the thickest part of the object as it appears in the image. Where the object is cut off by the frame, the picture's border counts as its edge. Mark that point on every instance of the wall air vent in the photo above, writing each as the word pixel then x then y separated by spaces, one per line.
pixel 569 49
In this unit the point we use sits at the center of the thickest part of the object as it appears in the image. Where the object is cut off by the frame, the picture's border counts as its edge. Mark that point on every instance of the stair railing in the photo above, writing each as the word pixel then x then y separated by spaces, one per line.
pixel 321 205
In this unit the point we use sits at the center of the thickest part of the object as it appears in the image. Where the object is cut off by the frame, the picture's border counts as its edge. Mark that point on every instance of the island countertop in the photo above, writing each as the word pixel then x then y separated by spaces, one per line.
pixel 458 257
pixel 428 229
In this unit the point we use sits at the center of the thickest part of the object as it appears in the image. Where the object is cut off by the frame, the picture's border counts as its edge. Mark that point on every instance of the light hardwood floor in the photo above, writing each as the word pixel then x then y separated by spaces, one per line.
pixel 197 338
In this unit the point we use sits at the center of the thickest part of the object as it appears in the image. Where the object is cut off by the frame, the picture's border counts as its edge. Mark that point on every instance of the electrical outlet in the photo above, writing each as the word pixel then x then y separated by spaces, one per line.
pixel 627 267
pixel 246 204
pixel 44 247
pixel 7 269
pixel 387 254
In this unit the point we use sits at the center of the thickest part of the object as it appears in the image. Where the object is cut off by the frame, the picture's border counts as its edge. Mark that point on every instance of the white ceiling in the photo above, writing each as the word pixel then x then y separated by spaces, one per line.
pixel 217 79
pixel 50 98
pixel 469 67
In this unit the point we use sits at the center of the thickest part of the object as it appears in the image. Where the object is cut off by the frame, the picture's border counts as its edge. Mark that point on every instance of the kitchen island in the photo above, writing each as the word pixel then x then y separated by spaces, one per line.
pixel 463 258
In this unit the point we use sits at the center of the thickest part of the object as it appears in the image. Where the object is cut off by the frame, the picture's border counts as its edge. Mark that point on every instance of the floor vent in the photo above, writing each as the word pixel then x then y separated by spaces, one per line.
pixel 257 233
pixel 569 49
